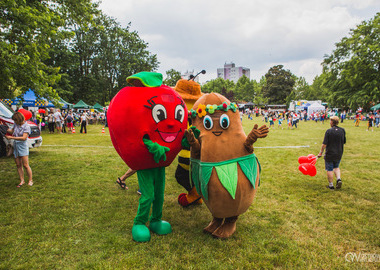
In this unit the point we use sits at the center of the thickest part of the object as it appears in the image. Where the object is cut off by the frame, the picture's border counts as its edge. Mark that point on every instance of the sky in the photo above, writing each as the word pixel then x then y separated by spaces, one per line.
pixel 256 34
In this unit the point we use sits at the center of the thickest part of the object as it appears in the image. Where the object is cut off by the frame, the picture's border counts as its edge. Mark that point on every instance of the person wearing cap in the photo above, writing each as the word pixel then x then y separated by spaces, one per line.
pixel 333 142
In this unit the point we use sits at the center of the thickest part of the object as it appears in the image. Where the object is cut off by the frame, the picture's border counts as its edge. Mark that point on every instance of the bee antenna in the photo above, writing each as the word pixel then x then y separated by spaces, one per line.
pixel 192 77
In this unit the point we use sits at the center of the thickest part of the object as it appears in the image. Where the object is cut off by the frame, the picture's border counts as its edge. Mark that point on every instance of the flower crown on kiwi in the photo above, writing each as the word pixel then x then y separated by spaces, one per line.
pixel 202 109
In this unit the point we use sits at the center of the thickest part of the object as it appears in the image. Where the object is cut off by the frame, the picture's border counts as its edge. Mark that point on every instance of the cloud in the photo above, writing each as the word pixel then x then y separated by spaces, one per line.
pixel 197 34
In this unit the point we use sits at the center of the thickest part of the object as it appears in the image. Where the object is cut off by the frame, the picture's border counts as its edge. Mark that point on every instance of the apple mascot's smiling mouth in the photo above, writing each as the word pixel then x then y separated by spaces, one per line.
pixel 168 136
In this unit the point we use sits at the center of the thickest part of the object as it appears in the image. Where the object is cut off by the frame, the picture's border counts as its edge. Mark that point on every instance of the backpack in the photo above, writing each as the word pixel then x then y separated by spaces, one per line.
pixel 69 119
pixel 50 118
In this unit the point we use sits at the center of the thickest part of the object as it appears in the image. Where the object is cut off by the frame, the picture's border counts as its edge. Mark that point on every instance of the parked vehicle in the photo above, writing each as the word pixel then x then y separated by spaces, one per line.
pixel 34 139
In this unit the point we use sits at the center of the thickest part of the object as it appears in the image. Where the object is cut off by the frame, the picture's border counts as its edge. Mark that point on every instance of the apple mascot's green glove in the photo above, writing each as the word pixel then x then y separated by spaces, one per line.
pixel 158 151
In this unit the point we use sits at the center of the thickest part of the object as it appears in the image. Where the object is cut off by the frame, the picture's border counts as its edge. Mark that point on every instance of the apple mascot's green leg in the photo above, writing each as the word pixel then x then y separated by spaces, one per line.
pixel 152 186
pixel 148 140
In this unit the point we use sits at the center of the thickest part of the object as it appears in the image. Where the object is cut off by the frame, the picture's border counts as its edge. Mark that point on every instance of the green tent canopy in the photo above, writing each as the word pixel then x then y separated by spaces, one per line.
pixel 376 107
pixel 66 104
pixel 81 105
pixel 98 107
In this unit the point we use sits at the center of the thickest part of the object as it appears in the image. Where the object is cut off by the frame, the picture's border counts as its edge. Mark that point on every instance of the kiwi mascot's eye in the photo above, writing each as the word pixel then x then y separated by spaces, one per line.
pixel 224 121
pixel 207 122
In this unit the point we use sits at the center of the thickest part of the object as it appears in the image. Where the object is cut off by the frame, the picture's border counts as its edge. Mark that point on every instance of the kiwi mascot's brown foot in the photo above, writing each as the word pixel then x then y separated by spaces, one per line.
pixel 189 199
pixel 214 224
pixel 227 229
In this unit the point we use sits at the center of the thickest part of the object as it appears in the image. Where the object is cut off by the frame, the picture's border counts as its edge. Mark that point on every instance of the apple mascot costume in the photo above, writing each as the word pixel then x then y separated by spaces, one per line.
pixel 224 169
pixel 147 123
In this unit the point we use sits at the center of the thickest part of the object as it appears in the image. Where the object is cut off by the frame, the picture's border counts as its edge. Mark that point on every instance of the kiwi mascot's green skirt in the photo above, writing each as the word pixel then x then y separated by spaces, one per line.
pixel 227 172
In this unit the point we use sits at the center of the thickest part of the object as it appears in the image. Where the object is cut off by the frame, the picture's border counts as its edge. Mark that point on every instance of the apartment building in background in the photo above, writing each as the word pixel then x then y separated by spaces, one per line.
pixel 233 73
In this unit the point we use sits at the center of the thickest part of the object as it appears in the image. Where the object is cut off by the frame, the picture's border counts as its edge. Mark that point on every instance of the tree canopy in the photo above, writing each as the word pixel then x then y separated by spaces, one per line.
pixel 279 84
pixel 245 89
pixel 172 76
pixel 27 31
pixel 221 86
pixel 350 77
pixel 68 48
pixel 352 71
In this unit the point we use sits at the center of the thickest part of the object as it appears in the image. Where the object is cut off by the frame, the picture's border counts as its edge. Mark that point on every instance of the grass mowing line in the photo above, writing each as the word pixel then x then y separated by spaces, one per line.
pixel 97 146
pixel 289 146
pixel 73 145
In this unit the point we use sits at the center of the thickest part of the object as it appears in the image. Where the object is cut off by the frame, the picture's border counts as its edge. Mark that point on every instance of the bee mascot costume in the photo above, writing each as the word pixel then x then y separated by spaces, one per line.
pixel 147 123
pixel 190 91
pixel 224 169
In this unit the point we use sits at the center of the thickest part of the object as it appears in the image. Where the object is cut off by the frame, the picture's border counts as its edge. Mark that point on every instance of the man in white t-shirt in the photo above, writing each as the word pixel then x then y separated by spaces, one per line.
pixel 58 120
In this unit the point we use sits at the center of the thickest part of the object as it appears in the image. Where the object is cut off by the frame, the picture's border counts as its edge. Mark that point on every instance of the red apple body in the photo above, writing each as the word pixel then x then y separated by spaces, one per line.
pixel 157 113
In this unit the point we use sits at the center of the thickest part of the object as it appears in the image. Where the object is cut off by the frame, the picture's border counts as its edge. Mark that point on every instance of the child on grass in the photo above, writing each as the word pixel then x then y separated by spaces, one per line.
pixel 290 122
pixel 20 133
pixel 280 122
pixel 371 121
pixel 271 122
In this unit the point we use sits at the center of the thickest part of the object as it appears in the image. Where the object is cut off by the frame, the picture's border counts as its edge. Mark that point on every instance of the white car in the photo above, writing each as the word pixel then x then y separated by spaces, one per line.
pixel 34 139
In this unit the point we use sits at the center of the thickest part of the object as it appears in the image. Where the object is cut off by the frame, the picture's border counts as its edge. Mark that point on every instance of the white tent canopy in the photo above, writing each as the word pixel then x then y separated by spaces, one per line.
pixel 315 107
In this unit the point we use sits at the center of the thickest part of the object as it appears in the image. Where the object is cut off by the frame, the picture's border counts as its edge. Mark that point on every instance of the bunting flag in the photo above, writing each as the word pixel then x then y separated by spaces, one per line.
pixel 7 101
pixel 227 172
pixel 39 103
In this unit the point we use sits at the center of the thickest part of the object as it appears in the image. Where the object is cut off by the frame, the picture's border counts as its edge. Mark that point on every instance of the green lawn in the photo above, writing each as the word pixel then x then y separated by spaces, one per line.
pixel 76 217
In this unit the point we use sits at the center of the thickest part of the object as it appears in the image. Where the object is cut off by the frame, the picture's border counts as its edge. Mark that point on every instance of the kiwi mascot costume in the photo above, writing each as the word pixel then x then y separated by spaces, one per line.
pixel 224 169
pixel 147 124
pixel 190 91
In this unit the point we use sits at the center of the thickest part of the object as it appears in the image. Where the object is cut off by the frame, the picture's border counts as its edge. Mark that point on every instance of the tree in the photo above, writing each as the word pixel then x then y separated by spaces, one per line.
pixel 352 71
pixel 98 57
pixel 259 96
pixel 69 48
pixel 221 86
pixel 245 89
pixel 301 87
pixel 27 28
pixel 318 91
pixel 279 84
pixel 172 76
pixel 79 14
pixel 119 54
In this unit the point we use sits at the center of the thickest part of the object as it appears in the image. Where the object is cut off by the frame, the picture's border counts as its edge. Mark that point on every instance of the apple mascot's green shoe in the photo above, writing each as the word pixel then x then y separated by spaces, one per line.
pixel 140 233
pixel 147 122
pixel 160 227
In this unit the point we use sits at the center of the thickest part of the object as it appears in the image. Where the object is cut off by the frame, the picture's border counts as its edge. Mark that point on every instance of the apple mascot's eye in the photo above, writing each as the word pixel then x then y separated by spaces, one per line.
pixel 224 121
pixel 207 122
pixel 159 113
pixel 179 113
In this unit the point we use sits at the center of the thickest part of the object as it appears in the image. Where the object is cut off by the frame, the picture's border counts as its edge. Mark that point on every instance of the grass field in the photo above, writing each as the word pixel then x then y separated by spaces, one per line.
pixel 76 217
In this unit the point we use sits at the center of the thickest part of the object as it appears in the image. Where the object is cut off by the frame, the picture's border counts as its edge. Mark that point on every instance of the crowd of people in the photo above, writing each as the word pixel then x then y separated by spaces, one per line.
pixel 65 121
pixel 292 118
pixel 58 120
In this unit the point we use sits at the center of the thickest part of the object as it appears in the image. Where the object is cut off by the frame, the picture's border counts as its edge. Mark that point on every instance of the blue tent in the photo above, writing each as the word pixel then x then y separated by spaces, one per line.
pixel 306 106
pixel 29 99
